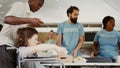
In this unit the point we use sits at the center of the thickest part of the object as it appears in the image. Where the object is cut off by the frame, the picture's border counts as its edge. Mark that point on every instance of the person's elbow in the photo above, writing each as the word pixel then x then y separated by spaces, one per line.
pixel 8 19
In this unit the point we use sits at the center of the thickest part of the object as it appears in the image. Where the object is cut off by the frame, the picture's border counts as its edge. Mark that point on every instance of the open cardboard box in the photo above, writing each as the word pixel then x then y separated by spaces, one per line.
pixel 70 59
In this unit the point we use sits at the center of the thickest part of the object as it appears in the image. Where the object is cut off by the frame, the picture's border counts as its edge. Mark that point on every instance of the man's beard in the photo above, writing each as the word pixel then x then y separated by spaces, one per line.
pixel 74 20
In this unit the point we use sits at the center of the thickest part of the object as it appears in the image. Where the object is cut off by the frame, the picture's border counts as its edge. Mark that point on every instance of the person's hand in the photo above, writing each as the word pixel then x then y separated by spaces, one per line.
pixel 92 55
pixel 96 53
pixel 74 53
pixel 35 22
pixel 61 51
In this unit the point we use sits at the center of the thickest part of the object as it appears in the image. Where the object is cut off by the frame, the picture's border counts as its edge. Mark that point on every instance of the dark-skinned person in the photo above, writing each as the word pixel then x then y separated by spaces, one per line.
pixel 107 41
pixel 20 15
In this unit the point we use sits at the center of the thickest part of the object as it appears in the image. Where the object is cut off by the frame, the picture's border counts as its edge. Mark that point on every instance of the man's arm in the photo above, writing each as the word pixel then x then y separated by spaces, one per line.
pixel 81 40
pixel 95 48
pixel 119 45
pixel 13 20
pixel 59 40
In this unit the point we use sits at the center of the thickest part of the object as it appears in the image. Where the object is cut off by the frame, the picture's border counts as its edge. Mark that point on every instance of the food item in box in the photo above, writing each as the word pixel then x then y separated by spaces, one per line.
pixel 62 57
pixel 65 59
pixel 79 60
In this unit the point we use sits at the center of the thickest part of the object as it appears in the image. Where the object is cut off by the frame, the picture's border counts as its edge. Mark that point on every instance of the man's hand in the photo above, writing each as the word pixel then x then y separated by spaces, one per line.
pixel 74 53
pixel 35 22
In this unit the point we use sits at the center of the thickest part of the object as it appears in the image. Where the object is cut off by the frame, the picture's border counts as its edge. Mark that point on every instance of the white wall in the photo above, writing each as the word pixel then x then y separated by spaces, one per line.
pixel 91 11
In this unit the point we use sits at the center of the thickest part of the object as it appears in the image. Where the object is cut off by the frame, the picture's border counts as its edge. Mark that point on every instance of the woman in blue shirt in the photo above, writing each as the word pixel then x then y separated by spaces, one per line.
pixel 107 41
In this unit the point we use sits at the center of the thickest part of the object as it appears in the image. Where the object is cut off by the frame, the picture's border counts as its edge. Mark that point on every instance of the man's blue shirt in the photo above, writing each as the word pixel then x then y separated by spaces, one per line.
pixel 70 35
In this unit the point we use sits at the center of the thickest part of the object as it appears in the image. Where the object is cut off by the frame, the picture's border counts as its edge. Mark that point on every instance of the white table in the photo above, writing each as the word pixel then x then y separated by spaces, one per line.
pixel 92 64
pixel 54 62
pixel 45 61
